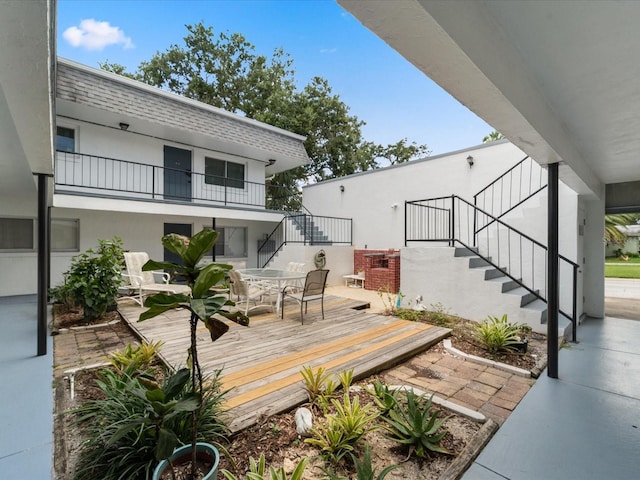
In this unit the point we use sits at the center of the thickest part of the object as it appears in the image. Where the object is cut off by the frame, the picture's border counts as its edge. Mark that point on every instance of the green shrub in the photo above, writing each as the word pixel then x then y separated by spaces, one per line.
pixel 438 315
pixel 62 295
pixel 122 429
pixel 95 277
pixel 409 314
pixel 258 471
pixel 342 430
pixel 497 334
pixel 416 426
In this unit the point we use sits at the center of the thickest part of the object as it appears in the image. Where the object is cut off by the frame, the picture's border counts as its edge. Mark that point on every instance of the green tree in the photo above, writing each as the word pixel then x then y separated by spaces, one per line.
pixel 612 235
pixel 224 71
pixel 493 137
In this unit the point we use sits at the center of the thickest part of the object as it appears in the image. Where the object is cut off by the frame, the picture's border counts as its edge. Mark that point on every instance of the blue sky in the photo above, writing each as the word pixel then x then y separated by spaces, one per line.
pixel 380 86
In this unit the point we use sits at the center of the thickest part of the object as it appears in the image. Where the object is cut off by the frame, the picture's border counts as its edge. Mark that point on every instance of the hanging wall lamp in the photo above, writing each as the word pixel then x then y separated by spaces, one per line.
pixel 470 161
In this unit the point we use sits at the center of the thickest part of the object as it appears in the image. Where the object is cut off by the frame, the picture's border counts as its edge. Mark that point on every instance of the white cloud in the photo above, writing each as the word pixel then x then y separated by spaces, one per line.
pixel 94 35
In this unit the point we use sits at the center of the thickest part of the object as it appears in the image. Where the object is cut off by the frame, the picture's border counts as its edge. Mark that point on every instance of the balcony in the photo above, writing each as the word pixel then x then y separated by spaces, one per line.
pixel 77 173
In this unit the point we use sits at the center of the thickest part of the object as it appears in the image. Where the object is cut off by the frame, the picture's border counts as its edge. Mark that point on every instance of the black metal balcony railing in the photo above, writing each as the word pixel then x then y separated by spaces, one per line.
pixel 80 173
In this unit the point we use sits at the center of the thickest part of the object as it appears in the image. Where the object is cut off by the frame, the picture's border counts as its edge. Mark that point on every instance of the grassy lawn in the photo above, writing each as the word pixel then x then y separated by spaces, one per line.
pixel 617 268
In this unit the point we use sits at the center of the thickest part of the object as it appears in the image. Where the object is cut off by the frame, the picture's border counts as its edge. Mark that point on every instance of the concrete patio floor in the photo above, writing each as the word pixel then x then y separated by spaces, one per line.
pixel 26 396
pixel 584 425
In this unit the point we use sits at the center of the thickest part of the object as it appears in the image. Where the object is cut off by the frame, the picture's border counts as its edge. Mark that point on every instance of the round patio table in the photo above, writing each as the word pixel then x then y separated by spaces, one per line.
pixel 275 276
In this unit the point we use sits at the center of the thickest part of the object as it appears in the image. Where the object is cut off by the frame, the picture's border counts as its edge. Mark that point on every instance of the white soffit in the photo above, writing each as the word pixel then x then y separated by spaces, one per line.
pixel 26 126
pixel 559 79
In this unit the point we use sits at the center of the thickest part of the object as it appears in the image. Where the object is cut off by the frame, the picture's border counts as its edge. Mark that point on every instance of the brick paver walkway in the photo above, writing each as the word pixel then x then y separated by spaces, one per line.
pixel 490 391
pixel 77 348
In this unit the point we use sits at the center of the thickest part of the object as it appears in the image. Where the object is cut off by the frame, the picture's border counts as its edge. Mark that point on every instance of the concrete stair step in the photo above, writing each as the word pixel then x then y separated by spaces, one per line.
pixel 526 297
pixel 508 284
pixel 465 252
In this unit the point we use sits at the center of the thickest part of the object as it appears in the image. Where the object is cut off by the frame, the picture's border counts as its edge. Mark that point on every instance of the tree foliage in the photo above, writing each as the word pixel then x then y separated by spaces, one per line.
pixel 614 236
pixel 226 72
pixel 493 137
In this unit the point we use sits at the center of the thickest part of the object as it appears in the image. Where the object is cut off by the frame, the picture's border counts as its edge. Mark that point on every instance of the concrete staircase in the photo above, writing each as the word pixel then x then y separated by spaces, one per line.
pixel 533 307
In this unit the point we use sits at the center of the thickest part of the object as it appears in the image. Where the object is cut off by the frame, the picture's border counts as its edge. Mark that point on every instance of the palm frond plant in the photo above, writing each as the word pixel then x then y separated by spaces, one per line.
pixel 203 303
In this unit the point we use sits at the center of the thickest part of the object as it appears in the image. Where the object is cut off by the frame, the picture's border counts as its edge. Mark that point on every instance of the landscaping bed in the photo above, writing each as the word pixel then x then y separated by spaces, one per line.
pixel 277 439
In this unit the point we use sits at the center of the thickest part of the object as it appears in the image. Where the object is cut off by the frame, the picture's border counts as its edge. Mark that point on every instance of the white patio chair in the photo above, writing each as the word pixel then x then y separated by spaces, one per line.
pixel 313 289
pixel 297 268
pixel 245 292
pixel 145 283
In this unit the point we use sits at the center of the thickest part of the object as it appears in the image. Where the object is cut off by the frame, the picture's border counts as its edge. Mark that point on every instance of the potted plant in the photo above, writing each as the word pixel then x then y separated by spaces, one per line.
pixel 203 304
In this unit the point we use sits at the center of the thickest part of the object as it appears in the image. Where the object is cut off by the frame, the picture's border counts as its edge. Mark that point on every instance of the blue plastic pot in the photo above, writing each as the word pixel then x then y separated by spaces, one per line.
pixel 181 455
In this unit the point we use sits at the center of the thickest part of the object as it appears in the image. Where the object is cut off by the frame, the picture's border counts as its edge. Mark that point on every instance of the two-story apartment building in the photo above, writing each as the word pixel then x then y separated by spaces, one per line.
pixel 138 162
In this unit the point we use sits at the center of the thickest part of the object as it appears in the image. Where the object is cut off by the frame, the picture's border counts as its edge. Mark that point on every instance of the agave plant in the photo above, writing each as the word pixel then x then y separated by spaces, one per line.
pixel 417 426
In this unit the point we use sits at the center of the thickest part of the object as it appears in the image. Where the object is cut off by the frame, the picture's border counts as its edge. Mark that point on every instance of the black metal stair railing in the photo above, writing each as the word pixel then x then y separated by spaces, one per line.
pixel 451 221
pixel 305 229
pixel 511 189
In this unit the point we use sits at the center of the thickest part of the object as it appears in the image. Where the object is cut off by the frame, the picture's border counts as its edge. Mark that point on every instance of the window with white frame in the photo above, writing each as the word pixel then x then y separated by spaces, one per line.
pixel 220 172
pixel 232 242
pixel 65 139
pixel 17 234
pixel 65 235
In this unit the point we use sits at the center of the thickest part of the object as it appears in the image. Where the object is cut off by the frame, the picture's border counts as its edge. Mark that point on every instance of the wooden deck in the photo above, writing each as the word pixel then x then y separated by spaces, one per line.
pixel 261 363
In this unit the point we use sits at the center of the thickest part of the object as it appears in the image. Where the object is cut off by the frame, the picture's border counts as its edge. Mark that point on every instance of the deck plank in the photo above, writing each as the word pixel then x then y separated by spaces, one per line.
pixel 261 363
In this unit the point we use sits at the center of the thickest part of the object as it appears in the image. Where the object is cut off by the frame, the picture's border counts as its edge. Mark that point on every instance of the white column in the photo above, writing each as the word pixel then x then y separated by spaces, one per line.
pixel 593 287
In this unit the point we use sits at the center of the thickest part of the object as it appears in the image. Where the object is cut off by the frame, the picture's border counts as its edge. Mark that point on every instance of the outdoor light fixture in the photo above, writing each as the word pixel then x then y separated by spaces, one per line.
pixel 470 161
pixel 341 188
pixel 271 161
pixel 124 126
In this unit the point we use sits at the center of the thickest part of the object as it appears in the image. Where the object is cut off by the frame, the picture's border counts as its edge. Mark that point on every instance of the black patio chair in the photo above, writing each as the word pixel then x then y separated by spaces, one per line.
pixel 313 289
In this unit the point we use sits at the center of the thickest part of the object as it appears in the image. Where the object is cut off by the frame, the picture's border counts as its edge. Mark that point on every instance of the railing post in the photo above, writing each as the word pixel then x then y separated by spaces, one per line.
pixel 153 182
pixel 574 331
pixel 452 219
pixel 405 224
pixel 304 230
pixel 475 218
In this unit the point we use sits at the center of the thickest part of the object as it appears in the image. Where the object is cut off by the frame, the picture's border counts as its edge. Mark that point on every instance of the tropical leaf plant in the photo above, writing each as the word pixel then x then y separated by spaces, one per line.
pixel 203 303
pixel 497 334
pixel 342 430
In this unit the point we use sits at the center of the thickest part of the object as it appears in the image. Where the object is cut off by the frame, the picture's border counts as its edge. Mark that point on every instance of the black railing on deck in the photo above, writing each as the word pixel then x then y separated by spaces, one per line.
pixel 307 230
pixel 80 173
pixel 452 220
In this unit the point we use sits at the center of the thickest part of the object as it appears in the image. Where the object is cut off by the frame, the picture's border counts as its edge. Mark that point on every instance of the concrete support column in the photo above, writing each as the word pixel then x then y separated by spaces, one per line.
pixel 43 261
pixel 594 249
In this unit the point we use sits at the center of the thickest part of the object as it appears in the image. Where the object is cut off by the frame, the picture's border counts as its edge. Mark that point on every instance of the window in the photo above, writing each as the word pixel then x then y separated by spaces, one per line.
pixel 232 242
pixel 65 235
pixel 219 172
pixel 17 234
pixel 65 139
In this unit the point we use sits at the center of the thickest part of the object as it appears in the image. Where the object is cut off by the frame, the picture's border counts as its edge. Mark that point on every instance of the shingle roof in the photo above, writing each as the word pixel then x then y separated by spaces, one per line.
pixel 107 91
